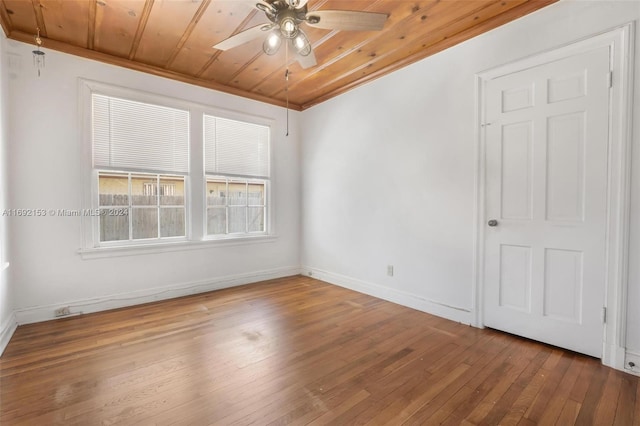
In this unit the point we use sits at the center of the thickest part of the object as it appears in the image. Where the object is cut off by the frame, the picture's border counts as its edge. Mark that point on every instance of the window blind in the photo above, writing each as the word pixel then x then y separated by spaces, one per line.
pixel 135 135
pixel 235 147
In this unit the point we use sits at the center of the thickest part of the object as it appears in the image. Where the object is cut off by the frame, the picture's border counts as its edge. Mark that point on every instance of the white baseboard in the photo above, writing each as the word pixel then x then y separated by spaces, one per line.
pixel 6 331
pixel 410 300
pixel 86 306
pixel 613 356
pixel 633 357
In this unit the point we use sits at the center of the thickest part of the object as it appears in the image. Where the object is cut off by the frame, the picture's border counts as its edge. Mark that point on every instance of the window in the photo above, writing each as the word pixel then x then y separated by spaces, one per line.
pixel 242 211
pixel 237 169
pixel 155 179
pixel 129 138
pixel 135 206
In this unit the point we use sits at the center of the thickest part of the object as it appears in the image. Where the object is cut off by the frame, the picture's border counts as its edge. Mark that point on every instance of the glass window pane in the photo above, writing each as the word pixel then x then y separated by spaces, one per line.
pixel 113 190
pixel 216 193
pixel 113 227
pixel 216 220
pixel 255 194
pixel 144 190
pixel 171 191
pixel 237 193
pixel 172 222
pixel 144 222
pixel 237 219
pixel 255 221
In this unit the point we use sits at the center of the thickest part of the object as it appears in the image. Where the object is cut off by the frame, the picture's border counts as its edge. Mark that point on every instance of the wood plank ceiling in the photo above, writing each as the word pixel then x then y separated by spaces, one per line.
pixel 174 39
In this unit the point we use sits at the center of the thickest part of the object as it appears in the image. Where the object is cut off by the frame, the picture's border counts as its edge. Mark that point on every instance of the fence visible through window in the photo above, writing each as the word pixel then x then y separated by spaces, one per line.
pixel 235 206
pixel 141 206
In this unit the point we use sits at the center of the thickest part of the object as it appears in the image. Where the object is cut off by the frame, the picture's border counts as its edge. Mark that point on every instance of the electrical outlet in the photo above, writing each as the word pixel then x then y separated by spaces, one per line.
pixel 390 270
pixel 61 312
pixel 632 362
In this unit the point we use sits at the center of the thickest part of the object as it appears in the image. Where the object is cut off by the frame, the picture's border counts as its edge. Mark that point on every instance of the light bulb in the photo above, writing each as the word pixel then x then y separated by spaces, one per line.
pixel 288 28
pixel 272 43
pixel 274 40
pixel 301 43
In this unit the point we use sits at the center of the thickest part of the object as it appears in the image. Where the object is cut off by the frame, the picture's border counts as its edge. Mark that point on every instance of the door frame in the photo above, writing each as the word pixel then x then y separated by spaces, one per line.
pixel 620 40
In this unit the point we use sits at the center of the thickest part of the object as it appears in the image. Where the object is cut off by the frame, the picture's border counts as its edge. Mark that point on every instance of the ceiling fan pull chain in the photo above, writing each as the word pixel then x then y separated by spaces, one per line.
pixel 286 89
pixel 286 81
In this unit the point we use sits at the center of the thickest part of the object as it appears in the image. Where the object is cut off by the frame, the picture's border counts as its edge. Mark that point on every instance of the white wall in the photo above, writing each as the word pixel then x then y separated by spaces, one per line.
pixel 389 168
pixel 7 323
pixel 45 150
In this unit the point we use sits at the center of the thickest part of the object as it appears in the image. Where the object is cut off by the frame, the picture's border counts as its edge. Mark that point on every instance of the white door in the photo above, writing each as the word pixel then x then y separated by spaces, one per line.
pixel 546 201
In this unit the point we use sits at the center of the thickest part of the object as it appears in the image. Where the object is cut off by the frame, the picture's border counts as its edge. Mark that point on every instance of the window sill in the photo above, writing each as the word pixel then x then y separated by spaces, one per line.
pixel 134 250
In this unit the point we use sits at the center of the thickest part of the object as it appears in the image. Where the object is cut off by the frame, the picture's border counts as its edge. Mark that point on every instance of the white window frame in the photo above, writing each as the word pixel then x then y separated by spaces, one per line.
pixel 267 180
pixel 195 182
pixel 247 181
pixel 130 207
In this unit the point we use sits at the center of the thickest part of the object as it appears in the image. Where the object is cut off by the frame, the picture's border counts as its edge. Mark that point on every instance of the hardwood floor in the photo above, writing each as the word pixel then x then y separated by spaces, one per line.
pixel 297 351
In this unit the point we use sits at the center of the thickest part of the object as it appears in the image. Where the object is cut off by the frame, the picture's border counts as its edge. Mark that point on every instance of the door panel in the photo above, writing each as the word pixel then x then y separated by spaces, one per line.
pixel 546 186
pixel 516 178
pixel 565 167
pixel 563 285
pixel 515 277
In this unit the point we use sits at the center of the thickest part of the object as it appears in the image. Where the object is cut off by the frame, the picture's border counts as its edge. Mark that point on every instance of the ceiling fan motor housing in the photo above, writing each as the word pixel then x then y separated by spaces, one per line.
pixel 281 10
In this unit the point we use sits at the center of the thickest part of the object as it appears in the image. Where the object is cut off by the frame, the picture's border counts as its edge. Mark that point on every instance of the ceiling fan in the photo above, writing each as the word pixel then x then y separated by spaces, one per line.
pixel 286 16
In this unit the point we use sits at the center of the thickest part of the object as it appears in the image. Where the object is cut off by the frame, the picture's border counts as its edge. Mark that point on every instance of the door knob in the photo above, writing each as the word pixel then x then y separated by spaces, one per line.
pixel 492 222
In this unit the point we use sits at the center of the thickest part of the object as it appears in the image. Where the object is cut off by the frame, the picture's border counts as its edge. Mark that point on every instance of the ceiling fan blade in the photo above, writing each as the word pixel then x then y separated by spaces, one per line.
pixel 244 37
pixel 304 52
pixel 307 61
pixel 346 20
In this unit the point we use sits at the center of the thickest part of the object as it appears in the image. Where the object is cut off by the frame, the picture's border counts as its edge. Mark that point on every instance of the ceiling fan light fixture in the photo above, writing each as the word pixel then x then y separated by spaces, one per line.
pixel 302 45
pixel 285 17
pixel 288 27
pixel 272 44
